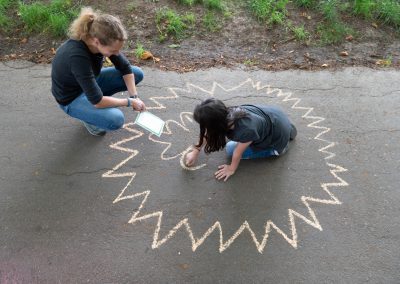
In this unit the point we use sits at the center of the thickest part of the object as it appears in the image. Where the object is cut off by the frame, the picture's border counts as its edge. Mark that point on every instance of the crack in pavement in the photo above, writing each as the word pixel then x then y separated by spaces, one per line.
pixel 78 173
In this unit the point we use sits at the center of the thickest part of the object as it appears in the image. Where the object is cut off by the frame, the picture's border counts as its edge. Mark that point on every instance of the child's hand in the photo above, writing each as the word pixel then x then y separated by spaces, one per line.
pixel 191 158
pixel 224 172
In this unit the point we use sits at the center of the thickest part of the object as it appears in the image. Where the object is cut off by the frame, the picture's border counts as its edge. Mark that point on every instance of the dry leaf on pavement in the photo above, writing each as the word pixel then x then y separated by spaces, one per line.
pixel 146 55
pixel 107 62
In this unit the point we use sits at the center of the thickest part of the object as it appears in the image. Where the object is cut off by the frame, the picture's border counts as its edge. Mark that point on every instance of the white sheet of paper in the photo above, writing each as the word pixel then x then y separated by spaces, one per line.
pixel 150 122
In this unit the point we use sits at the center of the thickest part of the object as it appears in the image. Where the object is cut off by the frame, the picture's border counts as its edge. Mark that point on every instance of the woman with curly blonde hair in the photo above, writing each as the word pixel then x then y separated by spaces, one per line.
pixel 82 88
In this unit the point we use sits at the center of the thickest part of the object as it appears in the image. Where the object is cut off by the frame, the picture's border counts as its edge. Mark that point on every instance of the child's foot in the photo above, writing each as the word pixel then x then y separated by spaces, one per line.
pixel 293 132
pixel 94 130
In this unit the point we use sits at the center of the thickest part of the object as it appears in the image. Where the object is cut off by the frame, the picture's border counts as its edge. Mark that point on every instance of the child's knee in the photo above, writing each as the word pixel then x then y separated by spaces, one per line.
pixel 230 147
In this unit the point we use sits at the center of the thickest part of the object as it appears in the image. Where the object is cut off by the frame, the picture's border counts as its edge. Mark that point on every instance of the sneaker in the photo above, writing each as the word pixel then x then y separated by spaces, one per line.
pixel 94 130
pixel 293 132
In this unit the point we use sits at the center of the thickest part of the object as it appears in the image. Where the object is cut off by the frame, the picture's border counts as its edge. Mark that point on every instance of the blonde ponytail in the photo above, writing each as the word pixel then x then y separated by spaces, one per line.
pixel 80 28
pixel 106 28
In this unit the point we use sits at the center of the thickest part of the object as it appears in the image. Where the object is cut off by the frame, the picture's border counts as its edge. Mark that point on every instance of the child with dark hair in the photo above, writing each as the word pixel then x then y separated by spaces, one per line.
pixel 254 131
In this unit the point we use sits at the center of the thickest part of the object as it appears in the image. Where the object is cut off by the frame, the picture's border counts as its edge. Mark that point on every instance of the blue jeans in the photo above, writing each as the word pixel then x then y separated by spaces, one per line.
pixel 250 154
pixel 110 81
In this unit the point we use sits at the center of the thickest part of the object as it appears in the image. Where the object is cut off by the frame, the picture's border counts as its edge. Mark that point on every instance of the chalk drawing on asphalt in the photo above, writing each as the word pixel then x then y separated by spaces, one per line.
pixel 260 242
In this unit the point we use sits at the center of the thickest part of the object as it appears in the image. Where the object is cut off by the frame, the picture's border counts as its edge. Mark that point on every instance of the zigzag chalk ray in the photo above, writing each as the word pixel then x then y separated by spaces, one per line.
pixel 184 224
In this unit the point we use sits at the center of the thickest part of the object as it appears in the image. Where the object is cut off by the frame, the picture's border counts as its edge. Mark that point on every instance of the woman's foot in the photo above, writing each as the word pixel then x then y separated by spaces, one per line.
pixel 94 130
pixel 293 132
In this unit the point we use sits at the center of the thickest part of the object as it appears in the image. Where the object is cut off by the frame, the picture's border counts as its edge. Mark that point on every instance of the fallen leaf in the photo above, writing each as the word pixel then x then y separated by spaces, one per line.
pixel 324 65
pixel 146 55
pixel 344 53
pixel 174 46
pixel 107 62
pixel 184 266
pixel 42 60
pixel 24 40
pixel 375 55
pixel 53 50
pixel 308 17
pixel 13 55
pixel 375 25
pixel 156 59
pixel 383 62
pixel 349 38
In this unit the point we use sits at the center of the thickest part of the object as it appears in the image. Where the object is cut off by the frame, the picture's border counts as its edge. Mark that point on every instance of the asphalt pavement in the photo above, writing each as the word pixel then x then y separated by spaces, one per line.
pixel 123 208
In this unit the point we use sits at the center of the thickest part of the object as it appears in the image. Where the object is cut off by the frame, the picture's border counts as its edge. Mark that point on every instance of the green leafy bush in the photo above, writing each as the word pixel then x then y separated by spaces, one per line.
pixel 4 19
pixel 53 18
pixel 269 11
pixel 170 23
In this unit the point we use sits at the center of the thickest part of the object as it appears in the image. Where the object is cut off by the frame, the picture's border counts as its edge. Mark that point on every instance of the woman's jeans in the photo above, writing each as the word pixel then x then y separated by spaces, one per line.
pixel 250 154
pixel 110 81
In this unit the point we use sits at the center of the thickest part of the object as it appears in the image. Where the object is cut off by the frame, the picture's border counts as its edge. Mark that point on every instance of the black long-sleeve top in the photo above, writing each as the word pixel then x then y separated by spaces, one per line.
pixel 74 71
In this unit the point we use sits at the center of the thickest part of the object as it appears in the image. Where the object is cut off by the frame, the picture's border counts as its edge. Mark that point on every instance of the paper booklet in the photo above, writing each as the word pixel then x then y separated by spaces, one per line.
pixel 150 122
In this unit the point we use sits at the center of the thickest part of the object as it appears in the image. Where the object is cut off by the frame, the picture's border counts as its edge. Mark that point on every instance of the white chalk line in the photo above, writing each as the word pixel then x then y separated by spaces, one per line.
pixel 291 237
pixel 168 131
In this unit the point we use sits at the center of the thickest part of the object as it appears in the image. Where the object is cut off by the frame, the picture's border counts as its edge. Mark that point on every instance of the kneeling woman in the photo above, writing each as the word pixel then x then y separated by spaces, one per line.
pixel 255 131
pixel 82 88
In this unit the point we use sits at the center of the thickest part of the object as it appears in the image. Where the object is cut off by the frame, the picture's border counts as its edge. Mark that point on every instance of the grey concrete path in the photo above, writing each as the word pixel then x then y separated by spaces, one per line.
pixel 121 209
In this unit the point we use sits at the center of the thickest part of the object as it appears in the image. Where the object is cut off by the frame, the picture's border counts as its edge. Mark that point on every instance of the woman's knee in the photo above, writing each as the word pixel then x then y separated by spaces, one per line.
pixel 138 72
pixel 116 120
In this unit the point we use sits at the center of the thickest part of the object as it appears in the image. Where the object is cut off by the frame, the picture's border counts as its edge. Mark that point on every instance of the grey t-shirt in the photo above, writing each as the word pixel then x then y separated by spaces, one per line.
pixel 74 71
pixel 267 126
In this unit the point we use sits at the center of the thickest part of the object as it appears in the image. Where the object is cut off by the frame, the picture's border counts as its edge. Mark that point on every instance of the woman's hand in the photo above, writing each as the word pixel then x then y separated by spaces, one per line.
pixel 224 172
pixel 191 157
pixel 138 105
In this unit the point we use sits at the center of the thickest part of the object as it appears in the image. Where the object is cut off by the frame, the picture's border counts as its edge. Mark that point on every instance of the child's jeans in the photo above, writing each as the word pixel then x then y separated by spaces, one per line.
pixel 110 82
pixel 250 154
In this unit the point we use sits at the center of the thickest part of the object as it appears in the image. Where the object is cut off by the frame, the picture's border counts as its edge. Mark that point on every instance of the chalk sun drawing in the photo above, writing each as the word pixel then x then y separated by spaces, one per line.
pixel 225 242
pixel 184 116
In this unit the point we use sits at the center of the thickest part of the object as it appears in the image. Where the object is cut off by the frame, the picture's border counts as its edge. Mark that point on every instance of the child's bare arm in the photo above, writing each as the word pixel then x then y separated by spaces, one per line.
pixel 225 171
pixel 237 154
pixel 192 156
